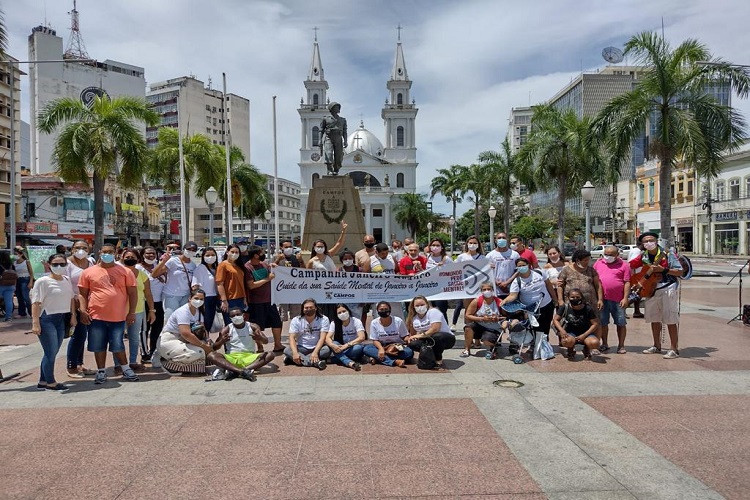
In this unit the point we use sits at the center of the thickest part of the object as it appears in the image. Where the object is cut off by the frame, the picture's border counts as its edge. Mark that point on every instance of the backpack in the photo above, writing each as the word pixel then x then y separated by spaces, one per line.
pixel 426 359
pixel 480 302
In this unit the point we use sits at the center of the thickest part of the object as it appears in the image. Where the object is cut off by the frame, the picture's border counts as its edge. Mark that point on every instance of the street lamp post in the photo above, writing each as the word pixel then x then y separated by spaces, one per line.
pixel 587 195
pixel 492 212
pixel 429 232
pixel 267 215
pixel 708 207
pixel 451 223
pixel 211 196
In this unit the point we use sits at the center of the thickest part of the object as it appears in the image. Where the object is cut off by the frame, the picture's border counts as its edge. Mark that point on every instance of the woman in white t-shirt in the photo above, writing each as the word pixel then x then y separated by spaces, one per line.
pixel 77 262
pixel 204 278
pixel 474 254
pixel 307 335
pixel 387 333
pixel 51 299
pixel 345 336
pixel 424 321
pixel 436 257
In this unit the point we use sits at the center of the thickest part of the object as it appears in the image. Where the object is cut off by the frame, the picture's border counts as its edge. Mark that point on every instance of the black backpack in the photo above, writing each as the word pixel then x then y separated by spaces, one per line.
pixel 426 360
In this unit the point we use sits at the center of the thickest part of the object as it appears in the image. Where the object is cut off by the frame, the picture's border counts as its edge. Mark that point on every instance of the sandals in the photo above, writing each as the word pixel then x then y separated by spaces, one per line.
pixel 621 350
pixel 571 353
pixel 465 354
pixel 604 348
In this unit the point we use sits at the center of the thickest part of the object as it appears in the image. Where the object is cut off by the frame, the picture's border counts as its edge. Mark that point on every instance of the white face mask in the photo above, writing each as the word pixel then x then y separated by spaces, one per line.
pixel 472 246
pixel 487 294
pixel 150 262
pixel 288 251
pixel 649 245
pixel 243 248
pixel 347 262
pixel 57 269
pixel 233 256
pixel 420 309
pixel 554 260
pixel 320 250
pixel 609 259
pixel 436 249
pixel 238 320
pixel 210 260
pixel 343 316
pixel 513 246
pixel 81 254
pixel 196 303
pixel 189 253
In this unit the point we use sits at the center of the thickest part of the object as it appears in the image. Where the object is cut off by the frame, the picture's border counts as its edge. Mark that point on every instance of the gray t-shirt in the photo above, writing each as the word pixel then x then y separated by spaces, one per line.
pixel 179 277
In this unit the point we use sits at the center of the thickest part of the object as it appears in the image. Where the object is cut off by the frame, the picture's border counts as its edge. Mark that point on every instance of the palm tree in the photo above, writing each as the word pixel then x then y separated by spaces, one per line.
pixel 249 188
pixel 475 180
pixel 413 212
pixel 501 167
pixel 99 141
pixel 204 165
pixel 689 124
pixel 561 153
pixel 449 183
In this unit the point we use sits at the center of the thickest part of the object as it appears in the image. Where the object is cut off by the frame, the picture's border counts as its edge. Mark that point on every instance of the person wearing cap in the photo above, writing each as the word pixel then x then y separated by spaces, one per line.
pixel 333 133
pixel 663 306
pixel 179 269
pixel 243 244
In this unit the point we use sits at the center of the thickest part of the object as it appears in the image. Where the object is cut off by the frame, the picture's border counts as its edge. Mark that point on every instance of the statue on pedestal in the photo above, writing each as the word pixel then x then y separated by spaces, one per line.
pixel 333 135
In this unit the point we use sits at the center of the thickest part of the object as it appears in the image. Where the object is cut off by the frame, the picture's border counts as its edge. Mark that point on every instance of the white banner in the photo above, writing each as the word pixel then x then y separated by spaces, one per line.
pixel 454 280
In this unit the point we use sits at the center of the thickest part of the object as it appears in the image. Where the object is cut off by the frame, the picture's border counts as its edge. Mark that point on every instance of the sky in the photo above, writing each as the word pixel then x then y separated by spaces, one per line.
pixel 471 62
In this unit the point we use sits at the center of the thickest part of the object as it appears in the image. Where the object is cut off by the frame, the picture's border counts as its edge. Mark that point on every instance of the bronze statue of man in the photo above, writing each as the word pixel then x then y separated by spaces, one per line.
pixel 333 134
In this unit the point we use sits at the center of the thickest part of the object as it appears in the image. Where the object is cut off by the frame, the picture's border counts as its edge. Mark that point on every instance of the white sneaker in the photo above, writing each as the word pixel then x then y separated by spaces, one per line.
pixel 671 354
pixel 652 350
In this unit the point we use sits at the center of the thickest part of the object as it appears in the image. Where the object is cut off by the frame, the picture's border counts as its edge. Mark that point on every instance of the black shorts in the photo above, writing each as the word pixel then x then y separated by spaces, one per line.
pixel 265 315
pixel 487 335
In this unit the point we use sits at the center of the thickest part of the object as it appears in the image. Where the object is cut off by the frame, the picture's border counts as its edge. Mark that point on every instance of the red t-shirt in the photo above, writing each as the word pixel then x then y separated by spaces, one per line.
pixel 406 264
pixel 531 257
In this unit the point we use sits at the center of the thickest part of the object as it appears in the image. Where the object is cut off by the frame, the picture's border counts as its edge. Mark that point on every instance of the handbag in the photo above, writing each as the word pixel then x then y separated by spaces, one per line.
pixel 393 350
pixel 426 360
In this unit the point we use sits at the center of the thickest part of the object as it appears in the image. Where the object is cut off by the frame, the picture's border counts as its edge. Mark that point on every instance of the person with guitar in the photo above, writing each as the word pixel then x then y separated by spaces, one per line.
pixel 657 281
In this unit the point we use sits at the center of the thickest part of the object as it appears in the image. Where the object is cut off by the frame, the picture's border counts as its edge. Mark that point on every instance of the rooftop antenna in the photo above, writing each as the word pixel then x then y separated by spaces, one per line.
pixel 76 48
pixel 209 82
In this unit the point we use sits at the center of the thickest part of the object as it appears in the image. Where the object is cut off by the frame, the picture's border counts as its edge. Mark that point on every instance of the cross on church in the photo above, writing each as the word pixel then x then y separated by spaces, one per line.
pixel 315 29
pixel 356 139
pixel 399 28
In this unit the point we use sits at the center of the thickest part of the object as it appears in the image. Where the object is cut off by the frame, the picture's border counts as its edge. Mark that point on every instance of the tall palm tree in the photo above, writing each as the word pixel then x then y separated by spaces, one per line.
pixel 249 188
pixel 561 153
pixel 204 165
pixel 413 212
pixel 449 183
pixel 689 124
pixel 501 167
pixel 475 180
pixel 100 141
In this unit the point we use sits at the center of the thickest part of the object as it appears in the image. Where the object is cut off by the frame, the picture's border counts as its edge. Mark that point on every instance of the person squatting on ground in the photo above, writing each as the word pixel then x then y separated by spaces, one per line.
pixel 483 319
pixel 577 323
pixel 307 335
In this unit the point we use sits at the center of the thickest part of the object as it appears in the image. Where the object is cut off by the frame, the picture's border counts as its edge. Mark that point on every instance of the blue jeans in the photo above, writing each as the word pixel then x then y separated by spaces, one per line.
pixel 210 306
pixel 22 295
pixel 134 338
pixel 51 338
pixel 612 308
pixel 77 343
pixel 172 302
pixel 240 302
pixel 304 353
pixel 7 292
pixel 348 355
pixel 372 351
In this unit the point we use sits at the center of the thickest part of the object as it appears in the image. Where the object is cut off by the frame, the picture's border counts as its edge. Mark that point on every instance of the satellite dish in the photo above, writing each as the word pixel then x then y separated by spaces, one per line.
pixel 612 55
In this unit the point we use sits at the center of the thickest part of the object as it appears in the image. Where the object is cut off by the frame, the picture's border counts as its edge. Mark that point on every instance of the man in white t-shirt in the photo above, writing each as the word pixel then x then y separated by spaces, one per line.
pixel 503 261
pixel 382 262
pixel 242 339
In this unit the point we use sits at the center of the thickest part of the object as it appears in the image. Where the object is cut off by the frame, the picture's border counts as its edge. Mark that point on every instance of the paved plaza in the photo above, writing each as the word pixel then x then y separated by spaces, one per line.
pixel 618 427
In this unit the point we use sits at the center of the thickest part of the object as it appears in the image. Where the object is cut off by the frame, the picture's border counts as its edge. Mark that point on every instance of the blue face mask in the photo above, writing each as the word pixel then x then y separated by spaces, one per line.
pixel 502 242
pixel 108 258
pixel 523 269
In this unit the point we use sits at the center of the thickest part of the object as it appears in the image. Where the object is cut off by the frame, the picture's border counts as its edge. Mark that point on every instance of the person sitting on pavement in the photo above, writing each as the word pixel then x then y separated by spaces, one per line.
pixel 185 340
pixel 345 336
pixel 387 334
pixel 425 322
pixel 577 323
pixel 349 265
pixel 307 335
pixel 614 274
pixel 582 276
pixel 534 290
pixel 244 343
pixel 483 319
pixel 51 299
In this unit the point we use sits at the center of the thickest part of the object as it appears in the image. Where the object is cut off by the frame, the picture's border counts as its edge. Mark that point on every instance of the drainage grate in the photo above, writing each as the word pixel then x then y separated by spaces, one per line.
pixel 513 384
pixel 707 309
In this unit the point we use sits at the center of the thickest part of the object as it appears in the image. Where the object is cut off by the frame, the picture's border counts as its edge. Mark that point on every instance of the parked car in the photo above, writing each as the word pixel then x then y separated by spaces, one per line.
pixel 597 252
pixel 625 251
pixel 568 249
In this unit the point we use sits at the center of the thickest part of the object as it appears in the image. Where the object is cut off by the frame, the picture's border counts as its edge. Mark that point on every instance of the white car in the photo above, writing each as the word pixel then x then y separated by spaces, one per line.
pixel 597 252
pixel 625 251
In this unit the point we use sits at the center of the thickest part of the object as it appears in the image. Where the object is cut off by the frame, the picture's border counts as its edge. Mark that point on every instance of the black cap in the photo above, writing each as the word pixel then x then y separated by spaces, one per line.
pixel 191 244
pixel 647 233
pixel 242 240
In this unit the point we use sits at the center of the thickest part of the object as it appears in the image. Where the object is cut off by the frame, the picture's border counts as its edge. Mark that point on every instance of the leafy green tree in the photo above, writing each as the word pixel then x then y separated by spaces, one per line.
pixel 465 226
pixel 689 124
pixel 413 213
pixel 530 226
pixel 500 167
pixel 101 140
pixel 250 194
pixel 449 184
pixel 476 181
pixel 561 153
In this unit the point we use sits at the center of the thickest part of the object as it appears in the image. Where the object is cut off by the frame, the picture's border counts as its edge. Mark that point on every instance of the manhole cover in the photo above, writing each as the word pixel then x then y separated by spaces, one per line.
pixel 706 309
pixel 508 383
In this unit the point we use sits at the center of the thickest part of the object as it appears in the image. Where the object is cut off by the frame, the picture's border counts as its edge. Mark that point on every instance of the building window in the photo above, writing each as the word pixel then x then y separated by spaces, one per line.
pixel 720 190
pixel 315 99
pixel 734 189
pixel 651 191
pixel 377 212
pixel 400 99
pixel 31 210
pixel 690 188
pixel 641 194
pixel 316 136
pixel 399 180
pixel 399 136
pixel 315 177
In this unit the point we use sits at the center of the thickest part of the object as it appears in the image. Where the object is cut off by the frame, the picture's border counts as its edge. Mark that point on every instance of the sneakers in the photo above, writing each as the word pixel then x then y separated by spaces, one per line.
pixel 129 375
pixel 320 365
pixel 58 388
pixel 671 354
pixel 248 375
pixel 652 350
pixel 101 377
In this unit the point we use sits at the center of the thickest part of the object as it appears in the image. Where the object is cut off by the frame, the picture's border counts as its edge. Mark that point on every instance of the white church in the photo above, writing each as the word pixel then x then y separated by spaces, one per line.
pixel 381 172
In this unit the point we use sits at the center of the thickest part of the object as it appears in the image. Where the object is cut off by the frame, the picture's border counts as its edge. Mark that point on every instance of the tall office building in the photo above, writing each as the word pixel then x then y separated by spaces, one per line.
pixel 6 162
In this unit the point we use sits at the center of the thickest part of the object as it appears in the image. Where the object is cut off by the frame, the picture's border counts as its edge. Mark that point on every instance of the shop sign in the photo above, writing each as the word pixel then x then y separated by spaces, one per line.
pixel 685 221
pixel 127 207
pixel 726 216
pixel 34 227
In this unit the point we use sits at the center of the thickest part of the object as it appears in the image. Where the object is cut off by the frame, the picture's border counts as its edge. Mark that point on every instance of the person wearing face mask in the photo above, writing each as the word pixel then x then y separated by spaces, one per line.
pixel 244 343
pixel 583 277
pixel 503 261
pixel 8 278
pixel 287 258
pixel 108 299
pixel 307 336
pixel 517 244
pixel 397 251
pixel 362 257
pixel 614 274
pixel 483 316
pixel 346 257
pixel 321 258
pixel 663 306
pixel 533 289
pixel 230 282
pixel 51 299
pixel 473 252
pixel 258 278
pixel 577 323
pixel 381 262
pixel 387 334
pixel 185 341
pixel 345 336
pixel 555 263
pixel 152 330
pixel 130 259
pixel 436 257
pixel 204 278
pixel 424 321
pixel 244 245
pixel 78 261
pixel 179 270
pixel 25 281
pixel 412 262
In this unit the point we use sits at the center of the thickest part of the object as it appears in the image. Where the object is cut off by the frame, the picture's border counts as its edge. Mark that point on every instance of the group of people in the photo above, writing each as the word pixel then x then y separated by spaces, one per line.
pixel 167 306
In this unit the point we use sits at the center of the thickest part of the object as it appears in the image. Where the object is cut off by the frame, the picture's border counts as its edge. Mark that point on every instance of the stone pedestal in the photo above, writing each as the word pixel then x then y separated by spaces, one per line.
pixel 333 198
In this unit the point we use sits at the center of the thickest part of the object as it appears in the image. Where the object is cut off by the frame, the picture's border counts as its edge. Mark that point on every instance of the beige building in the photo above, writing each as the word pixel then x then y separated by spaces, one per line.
pixel 193 107
pixel 290 218
pixel 6 163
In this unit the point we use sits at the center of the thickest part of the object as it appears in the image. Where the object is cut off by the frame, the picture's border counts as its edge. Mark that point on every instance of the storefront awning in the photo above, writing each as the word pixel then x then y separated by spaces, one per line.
pixel 57 241
pixel 77 204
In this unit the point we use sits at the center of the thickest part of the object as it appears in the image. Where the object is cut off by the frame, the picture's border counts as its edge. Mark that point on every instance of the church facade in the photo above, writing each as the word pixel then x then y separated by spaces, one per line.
pixel 381 171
